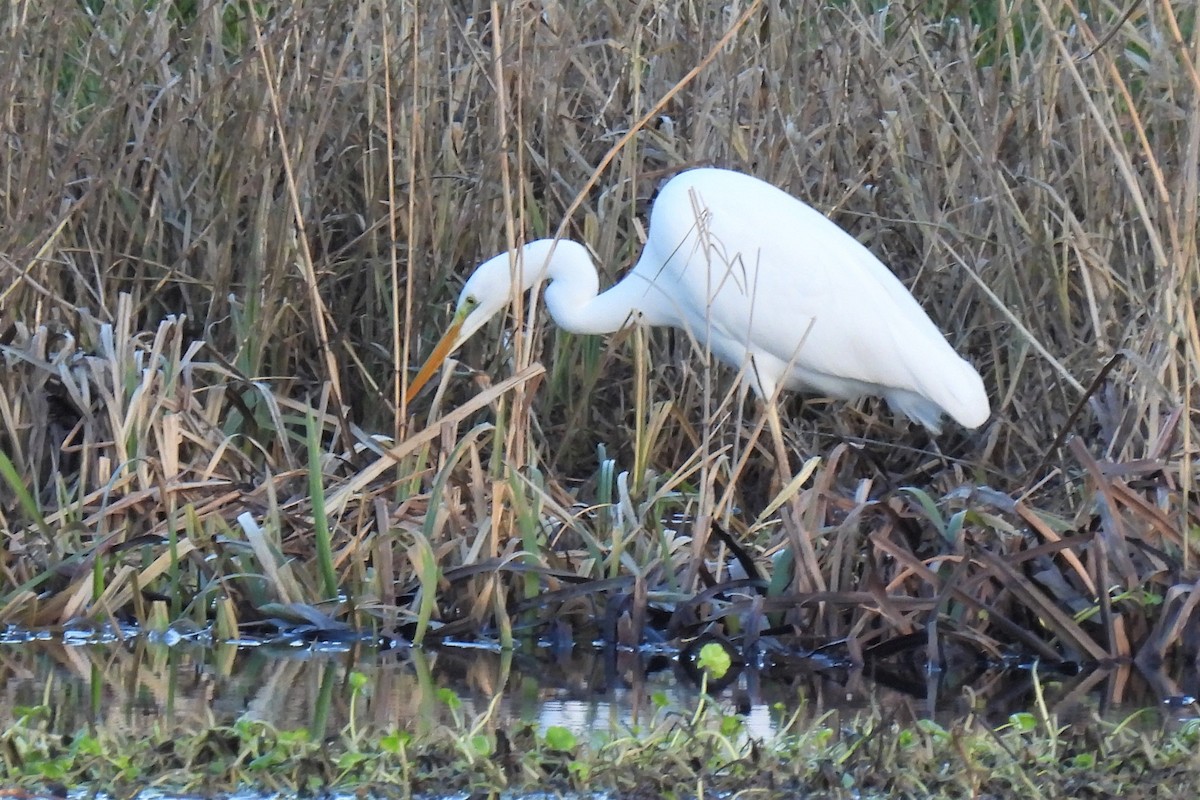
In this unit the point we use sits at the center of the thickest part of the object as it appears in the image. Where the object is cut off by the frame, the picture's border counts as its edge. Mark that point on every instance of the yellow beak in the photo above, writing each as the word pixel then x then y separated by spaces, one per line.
pixel 442 349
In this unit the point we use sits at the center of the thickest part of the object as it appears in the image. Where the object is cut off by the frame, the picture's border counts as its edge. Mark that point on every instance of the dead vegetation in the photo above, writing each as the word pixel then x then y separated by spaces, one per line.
pixel 224 235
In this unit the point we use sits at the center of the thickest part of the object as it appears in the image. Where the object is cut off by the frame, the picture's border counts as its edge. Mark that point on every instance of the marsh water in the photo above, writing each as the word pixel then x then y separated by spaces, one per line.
pixel 138 683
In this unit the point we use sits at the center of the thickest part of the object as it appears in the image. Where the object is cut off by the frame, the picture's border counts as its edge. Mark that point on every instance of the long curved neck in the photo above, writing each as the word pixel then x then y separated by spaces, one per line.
pixel 572 297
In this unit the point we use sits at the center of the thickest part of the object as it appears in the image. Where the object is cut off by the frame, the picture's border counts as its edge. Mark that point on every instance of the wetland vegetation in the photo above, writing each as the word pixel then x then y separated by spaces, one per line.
pixel 229 231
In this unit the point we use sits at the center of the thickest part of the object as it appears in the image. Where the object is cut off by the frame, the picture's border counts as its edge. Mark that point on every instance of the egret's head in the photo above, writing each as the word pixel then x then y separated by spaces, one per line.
pixel 486 292
pixel 483 296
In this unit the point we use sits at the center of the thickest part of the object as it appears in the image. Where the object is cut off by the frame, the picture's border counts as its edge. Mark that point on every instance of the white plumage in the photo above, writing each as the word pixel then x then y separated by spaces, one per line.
pixel 762 280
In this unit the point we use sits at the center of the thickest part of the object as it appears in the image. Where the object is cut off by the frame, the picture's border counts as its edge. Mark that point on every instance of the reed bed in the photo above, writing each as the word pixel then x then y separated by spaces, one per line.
pixel 229 233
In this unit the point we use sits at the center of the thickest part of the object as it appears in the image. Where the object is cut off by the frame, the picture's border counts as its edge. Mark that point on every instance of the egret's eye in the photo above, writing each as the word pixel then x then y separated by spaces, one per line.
pixel 470 303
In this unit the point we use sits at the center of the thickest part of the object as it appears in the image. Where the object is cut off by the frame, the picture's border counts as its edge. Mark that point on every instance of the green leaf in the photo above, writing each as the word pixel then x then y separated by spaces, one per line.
pixel 395 742
pixel 481 744
pixel 559 738
pixel 714 659
pixel 930 508
pixel 933 729
pixel 448 697
pixel 731 725
pixel 1023 721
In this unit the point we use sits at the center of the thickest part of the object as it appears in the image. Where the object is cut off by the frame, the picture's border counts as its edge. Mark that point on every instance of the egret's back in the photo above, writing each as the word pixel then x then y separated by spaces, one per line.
pixel 752 271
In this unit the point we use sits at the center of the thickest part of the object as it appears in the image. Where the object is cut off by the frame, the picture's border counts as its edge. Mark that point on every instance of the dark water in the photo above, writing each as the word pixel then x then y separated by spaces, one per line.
pixel 138 685
pixel 136 682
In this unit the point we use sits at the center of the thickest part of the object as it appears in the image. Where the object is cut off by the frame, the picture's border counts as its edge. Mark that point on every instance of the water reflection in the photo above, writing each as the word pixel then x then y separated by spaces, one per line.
pixel 134 686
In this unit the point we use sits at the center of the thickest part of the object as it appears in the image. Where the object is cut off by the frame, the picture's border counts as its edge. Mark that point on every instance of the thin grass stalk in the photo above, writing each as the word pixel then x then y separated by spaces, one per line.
pixel 127 581
pixel 641 408
pixel 420 555
pixel 419 440
pixel 620 532
pixel 226 626
pixel 321 318
pixel 514 441
pixel 331 681
pixel 265 546
pixel 503 621
pixel 401 309
pixel 1189 259
pixel 174 574
pixel 526 509
pixel 202 600
pixel 99 572
pixel 12 477
pixel 746 15
pixel 932 513
pixel 605 481
pixel 316 495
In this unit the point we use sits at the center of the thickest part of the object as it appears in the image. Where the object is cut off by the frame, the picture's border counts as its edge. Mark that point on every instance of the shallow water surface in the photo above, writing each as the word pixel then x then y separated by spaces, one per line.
pixel 134 682
pixel 135 686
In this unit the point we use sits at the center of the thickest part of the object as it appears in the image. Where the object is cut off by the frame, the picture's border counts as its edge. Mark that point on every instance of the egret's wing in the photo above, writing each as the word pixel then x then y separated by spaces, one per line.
pixel 748 262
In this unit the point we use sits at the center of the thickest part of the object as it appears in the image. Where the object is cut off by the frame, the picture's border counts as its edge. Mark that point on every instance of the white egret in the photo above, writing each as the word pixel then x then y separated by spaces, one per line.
pixel 763 281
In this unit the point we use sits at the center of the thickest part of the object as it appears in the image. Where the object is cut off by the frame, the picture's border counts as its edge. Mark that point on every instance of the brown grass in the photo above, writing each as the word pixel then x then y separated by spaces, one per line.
pixel 214 224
